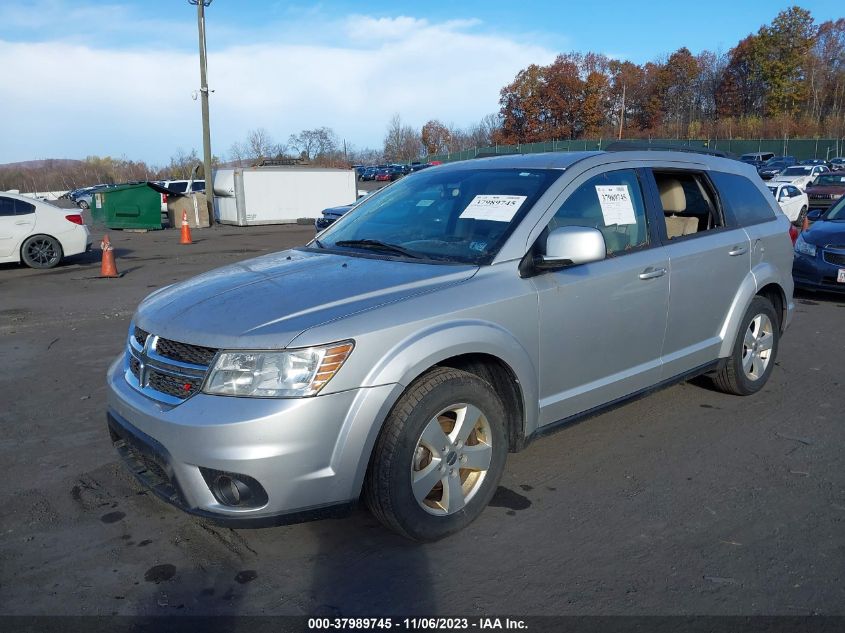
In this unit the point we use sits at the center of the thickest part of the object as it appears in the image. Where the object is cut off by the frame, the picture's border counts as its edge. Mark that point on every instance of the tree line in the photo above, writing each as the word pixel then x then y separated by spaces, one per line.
pixel 786 80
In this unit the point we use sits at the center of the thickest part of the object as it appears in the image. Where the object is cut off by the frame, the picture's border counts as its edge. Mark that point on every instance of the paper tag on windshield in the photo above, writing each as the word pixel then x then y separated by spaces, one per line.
pixel 493 207
pixel 616 206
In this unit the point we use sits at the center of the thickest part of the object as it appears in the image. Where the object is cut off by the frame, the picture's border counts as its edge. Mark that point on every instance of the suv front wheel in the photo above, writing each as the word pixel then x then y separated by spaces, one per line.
pixel 754 351
pixel 439 457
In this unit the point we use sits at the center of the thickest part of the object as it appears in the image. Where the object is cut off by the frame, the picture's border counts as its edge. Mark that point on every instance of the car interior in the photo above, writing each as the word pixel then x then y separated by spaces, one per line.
pixel 688 204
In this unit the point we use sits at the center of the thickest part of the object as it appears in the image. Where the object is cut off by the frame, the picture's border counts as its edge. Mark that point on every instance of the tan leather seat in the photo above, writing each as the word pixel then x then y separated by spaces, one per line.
pixel 674 200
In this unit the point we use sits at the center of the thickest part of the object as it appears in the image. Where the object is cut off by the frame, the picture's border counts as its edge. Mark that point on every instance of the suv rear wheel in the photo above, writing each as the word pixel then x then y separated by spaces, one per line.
pixel 754 351
pixel 439 457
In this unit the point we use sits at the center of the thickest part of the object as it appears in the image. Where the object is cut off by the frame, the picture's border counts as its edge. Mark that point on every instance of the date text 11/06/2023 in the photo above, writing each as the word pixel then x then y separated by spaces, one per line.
pixel 416 624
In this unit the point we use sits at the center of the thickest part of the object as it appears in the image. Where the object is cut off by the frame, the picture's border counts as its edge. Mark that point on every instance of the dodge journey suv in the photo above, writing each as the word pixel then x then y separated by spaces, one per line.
pixel 448 320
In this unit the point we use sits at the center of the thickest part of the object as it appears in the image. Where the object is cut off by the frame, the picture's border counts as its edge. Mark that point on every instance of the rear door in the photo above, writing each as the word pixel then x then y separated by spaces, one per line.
pixel 708 260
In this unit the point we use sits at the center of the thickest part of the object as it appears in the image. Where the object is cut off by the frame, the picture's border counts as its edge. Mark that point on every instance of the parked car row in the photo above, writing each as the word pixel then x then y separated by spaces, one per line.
pixel 769 165
pixel 388 173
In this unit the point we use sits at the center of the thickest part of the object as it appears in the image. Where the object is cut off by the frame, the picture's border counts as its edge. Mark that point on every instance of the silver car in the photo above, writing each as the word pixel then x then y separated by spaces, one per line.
pixel 447 320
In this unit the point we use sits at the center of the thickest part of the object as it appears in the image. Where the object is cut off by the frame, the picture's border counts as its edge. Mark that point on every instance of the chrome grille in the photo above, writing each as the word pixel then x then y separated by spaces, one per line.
pixel 141 336
pixel 165 370
pixel 194 354
pixel 176 386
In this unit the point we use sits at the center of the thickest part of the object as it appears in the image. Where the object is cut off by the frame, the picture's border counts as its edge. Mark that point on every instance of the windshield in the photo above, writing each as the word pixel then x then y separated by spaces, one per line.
pixel 461 216
pixel 797 171
pixel 827 180
pixel 837 212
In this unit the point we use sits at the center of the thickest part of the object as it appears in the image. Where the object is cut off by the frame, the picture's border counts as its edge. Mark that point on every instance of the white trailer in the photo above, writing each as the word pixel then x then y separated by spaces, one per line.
pixel 278 195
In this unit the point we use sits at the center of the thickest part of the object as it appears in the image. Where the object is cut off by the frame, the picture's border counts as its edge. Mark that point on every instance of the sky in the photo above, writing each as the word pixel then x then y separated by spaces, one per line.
pixel 87 77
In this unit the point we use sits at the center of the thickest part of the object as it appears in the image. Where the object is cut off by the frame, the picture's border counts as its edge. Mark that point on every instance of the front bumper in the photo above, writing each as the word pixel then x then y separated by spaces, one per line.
pixel 814 273
pixel 308 454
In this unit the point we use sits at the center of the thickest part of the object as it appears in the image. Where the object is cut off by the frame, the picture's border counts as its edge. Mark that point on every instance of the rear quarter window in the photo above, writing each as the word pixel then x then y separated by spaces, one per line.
pixel 743 202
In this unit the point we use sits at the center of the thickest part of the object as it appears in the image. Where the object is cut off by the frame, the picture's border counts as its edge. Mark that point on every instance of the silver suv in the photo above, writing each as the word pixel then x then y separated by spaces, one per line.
pixel 447 320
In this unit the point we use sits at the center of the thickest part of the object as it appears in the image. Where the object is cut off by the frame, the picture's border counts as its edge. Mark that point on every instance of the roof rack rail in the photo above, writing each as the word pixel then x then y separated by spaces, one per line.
pixel 628 146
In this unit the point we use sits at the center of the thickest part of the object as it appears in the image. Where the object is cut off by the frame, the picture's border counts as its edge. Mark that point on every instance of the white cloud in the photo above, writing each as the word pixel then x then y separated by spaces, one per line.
pixel 72 99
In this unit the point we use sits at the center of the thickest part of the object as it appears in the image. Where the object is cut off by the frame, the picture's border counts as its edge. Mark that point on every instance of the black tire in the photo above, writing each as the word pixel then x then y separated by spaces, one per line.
pixel 388 486
pixel 799 221
pixel 82 205
pixel 41 251
pixel 733 378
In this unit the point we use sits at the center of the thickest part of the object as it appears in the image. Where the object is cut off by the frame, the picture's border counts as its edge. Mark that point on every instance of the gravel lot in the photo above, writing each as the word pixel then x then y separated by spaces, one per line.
pixel 685 502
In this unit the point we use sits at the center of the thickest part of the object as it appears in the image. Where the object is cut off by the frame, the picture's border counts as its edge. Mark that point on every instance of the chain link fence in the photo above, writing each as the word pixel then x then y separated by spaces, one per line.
pixel 800 148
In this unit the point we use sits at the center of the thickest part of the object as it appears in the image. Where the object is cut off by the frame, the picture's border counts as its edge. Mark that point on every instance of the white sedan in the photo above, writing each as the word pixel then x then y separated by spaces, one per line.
pixel 800 175
pixel 793 202
pixel 38 233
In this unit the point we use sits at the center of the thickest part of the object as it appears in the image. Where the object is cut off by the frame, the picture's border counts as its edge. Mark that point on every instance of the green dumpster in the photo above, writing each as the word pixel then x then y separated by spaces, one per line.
pixel 127 207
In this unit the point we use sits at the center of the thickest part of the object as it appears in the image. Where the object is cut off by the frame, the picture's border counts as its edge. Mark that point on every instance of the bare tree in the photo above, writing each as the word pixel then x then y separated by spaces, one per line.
pixel 402 142
pixel 317 144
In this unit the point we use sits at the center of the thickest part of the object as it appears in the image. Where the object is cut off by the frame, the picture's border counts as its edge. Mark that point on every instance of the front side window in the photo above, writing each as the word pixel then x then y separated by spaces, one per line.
pixel 612 202
pixel 458 216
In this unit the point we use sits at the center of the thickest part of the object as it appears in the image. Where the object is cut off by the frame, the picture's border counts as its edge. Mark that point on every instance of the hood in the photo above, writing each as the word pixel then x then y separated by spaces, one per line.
pixel 826 232
pixel 264 303
pixel 337 211
pixel 791 179
pixel 826 188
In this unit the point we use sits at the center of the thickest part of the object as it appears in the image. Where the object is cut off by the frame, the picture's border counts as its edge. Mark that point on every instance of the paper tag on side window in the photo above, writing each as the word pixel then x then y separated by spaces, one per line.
pixel 496 208
pixel 616 206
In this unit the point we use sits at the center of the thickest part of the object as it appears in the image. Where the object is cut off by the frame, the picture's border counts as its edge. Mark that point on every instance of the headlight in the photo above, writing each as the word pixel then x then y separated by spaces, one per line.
pixel 288 374
pixel 803 247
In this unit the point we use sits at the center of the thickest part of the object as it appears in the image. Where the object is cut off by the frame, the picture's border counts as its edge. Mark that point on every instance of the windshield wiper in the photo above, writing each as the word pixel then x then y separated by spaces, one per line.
pixel 378 245
pixel 318 243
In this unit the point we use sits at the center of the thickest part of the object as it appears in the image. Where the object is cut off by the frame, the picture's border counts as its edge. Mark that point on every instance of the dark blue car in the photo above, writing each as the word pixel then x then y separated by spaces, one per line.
pixel 820 251
pixel 333 213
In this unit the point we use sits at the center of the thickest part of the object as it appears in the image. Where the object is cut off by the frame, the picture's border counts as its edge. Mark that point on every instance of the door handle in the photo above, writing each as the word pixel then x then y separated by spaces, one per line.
pixel 22 222
pixel 739 249
pixel 652 273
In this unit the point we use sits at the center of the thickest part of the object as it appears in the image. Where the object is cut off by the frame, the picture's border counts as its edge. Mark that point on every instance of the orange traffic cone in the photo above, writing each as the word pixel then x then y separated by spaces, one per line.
pixel 186 230
pixel 806 224
pixel 108 268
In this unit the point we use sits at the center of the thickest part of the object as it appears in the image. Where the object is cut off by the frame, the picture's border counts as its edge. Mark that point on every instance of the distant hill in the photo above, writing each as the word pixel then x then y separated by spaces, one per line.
pixel 40 164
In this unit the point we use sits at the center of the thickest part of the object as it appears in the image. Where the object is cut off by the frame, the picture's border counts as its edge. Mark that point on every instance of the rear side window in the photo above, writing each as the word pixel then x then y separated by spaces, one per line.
pixel 178 186
pixel 743 202
pixel 13 206
pixel 23 208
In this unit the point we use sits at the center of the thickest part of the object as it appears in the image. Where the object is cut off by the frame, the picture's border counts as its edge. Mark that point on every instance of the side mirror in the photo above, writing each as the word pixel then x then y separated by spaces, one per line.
pixel 815 214
pixel 571 246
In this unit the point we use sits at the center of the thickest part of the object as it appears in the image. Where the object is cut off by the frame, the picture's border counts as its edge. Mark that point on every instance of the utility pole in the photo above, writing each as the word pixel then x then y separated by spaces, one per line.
pixel 206 133
pixel 622 114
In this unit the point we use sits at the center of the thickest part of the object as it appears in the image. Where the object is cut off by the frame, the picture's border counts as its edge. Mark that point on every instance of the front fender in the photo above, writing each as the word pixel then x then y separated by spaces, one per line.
pixel 411 357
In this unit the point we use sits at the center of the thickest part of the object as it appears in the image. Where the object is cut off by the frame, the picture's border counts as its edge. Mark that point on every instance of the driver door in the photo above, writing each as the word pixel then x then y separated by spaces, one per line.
pixel 602 324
